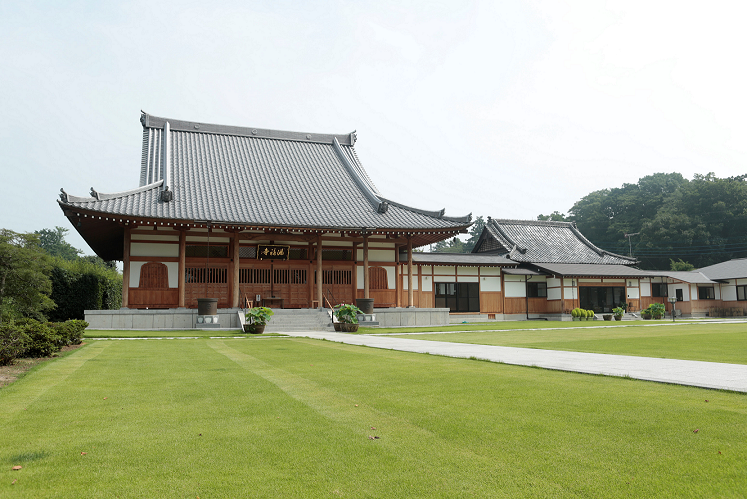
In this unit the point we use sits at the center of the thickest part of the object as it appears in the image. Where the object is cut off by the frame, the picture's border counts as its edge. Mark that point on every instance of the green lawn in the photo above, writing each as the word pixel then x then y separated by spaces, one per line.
pixel 689 341
pixel 287 417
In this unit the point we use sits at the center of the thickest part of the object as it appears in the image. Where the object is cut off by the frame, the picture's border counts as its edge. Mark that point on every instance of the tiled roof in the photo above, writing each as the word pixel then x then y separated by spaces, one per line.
pixel 460 259
pixel 595 270
pixel 259 177
pixel 692 277
pixel 544 242
pixel 731 269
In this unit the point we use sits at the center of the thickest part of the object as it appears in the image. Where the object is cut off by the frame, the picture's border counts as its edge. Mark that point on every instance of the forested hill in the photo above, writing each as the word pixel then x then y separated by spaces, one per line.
pixel 702 221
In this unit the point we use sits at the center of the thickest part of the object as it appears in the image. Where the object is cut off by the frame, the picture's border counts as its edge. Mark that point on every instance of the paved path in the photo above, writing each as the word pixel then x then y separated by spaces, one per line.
pixel 680 372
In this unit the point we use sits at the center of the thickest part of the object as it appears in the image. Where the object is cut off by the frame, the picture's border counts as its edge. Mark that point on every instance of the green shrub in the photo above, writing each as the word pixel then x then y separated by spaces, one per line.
pixel 13 342
pixel 43 340
pixel 70 332
pixel 81 285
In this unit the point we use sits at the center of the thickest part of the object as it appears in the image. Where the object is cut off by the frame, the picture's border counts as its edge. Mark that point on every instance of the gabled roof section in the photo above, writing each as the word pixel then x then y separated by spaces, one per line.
pixel 731 269
pixel 259 177
pixel 543 242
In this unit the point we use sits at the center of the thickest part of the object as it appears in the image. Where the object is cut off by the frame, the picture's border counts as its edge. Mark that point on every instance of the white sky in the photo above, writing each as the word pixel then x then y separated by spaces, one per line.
pixel 507 109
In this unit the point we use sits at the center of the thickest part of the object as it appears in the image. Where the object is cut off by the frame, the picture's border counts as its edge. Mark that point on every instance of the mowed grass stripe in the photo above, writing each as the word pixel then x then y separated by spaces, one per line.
pixel 399 437
pixel 21 394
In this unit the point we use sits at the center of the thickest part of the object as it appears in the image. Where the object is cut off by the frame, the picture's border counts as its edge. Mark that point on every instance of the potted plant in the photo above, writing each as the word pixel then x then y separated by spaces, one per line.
pixel 256 319
pixel 656 310
pixel 590 315
pixel 607 317
pixel 576 314
pixel 347 318
pixel 618 312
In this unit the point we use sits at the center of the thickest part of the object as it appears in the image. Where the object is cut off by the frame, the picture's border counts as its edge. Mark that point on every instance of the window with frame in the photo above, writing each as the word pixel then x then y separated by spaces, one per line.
pixel 537 289
pixel 741 293
pixel 659 289
pixel 706 293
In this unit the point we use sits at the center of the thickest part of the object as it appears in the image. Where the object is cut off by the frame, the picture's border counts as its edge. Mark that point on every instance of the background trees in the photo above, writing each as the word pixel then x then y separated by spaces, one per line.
pixel 701 221
pixel 24 276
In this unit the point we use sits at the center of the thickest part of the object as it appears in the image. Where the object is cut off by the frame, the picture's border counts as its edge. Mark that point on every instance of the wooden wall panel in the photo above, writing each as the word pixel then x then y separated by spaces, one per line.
pixel 491 302
pixel 383 298
pixel 154 298
pixel 536 306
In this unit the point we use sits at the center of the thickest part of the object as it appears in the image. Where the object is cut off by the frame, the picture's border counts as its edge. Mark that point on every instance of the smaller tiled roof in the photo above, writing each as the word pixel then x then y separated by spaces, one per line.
pixel 693 277
pixel 731 269
pixel 534 241
pixel 595 270
pixel 460 259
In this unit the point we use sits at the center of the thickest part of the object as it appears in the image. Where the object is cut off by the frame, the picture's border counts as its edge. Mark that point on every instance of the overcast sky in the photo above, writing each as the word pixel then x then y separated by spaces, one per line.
pixel 506 109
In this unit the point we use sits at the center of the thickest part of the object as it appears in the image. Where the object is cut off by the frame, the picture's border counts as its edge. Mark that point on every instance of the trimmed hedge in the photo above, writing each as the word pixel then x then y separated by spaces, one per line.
pixel 31 338
pixel 79 285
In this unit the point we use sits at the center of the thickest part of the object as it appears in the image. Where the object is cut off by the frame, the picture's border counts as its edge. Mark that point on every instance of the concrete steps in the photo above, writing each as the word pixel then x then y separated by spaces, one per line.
pixel 299 320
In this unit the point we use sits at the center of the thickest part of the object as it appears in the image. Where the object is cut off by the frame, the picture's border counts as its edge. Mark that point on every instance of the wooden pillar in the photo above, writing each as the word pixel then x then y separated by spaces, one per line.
pixel 365 267
pixel 409 272
pixel 235 266
pixel 398 277
pixel 126 269
pixel 182 265
pixel 319 276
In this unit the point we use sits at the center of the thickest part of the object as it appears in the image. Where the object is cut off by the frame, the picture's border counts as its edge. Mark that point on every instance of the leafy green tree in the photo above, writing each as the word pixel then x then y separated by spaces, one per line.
pixel 555 216
pixel 679 265
pixel 455 245
pixel 474 234
pixel 53 242
pixel 24 276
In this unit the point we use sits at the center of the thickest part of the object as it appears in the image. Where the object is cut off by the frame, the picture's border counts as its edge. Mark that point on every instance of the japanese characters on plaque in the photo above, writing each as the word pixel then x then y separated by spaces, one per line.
pixel 272 252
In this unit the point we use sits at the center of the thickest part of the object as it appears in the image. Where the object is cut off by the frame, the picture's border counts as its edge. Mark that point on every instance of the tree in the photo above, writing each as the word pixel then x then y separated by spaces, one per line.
pixel 474 234
pixel 456 245
pixel 53 242
pixel 555 216
pixel 24 276
pixel 679 265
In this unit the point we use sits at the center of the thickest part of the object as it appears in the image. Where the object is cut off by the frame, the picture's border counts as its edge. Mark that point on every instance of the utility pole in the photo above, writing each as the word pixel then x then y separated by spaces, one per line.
pixel 630 245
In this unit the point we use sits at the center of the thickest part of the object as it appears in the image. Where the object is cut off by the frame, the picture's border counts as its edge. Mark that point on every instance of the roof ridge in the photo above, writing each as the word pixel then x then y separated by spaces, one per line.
pixel 150 121
pixel 435 214
pixel 99 196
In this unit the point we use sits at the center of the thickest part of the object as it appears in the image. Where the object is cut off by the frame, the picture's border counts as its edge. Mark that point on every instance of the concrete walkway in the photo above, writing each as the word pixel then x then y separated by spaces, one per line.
pixel 680 372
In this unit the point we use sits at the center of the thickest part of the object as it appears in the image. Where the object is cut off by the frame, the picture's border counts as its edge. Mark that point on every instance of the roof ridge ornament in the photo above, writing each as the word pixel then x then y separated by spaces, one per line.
pixel 63 195
pixel 365 189
pixel 95 194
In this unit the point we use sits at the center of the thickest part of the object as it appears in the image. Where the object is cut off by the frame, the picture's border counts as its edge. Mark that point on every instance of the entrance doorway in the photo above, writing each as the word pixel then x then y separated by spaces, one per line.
pixel 601 299
pixel 458 296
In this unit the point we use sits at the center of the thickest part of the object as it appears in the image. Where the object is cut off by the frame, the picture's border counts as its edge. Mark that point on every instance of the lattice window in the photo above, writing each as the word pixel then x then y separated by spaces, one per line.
pixel 282 276
pixel 154 275
pixel 337 254
pixel 247 252
pixel 298 253
pixel 298 276
pixel 254 276
pixel 337 277
pixel 202 251
pixel 377 278
pixel 202 275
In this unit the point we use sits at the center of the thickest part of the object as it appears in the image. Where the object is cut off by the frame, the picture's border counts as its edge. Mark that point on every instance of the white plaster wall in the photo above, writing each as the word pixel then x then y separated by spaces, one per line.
pixel 570 293
pixel 446 270
pixel 568 282
pixel 645 288
pixel 693 291
pixel 427 283
pixel 213 239
pixel 466 270
pixel 379 255
pixel 468 279
pixel 359 276
pixel 728 292
pixel 633 293
pixel 405 284
pixel 685 291
pixel 391 277
pixel 444 278
pixel 135 273
pixel 490 284
pixel 153 237
pixel 553 293
pixel 717 292
pixel 490 271
pixel 426 269
pixel 552 282
pixel 632 283
pixel 741 282
pixel 589 280
pixel 154 249
pixel 515 289
pixel 173 273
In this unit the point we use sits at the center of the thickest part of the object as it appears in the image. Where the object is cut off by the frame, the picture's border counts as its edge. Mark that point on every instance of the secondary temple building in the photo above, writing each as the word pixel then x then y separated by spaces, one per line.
pixel 292 220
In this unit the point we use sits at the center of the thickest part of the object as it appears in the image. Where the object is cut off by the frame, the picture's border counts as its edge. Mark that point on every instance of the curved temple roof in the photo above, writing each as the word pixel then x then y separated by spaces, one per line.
pixel 544 242
pixel 247 176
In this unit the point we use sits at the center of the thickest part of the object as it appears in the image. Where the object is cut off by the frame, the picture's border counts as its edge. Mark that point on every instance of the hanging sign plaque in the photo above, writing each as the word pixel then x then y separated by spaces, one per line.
pixel 272 252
